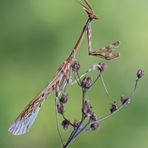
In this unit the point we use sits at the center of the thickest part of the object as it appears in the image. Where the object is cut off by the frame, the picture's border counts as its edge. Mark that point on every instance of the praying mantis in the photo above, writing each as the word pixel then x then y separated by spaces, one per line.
pixel 63 75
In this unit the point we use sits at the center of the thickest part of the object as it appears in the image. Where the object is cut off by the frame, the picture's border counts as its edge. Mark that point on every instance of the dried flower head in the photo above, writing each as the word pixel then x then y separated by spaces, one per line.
pixel 93 117
pixel 87 108
pixel 125 100
pixel 86 82
pixel 114 107
pixel 94 126
pixel 102 67
pixel 64 98
pixel 75 66
pixel 60 108
pixel 65 124
pixel 76 123
pixel 140 73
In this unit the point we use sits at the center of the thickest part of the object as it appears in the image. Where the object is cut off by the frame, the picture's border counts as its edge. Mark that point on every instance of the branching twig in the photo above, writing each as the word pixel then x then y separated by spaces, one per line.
pixel 114 109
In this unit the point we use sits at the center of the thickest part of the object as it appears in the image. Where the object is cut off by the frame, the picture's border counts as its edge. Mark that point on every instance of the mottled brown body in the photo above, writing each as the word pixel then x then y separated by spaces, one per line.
pixel 62 76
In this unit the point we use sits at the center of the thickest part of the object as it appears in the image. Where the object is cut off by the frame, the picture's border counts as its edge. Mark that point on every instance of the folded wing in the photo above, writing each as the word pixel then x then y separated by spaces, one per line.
pixel 25 120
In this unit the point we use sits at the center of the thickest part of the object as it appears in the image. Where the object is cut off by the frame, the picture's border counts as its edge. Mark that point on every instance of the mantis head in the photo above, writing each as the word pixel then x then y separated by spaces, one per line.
pixel 88 9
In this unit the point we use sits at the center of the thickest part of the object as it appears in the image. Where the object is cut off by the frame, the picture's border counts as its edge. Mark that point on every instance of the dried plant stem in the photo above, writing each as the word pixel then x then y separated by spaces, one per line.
pixel 80 129
pixel 122 106
pixel 105 88
pixel 76 129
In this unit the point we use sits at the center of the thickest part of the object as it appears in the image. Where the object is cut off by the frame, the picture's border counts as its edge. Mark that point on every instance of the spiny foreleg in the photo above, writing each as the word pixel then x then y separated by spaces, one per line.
pixel 106 52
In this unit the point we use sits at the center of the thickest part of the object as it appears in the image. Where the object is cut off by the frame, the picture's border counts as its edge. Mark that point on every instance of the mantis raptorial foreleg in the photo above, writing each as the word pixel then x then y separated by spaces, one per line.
pixel 106 52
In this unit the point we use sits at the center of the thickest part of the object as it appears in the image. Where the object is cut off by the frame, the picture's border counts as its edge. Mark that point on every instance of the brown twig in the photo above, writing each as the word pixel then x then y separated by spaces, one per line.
pixel 78 130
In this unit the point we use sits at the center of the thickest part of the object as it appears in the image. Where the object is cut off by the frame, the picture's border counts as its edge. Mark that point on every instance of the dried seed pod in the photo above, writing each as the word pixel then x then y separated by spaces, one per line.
pixel 140 73
pixel 64 98
pixel 65 124
pixel 87 108
pixel 76 123
pixel 125 100
pixel 102 67
pixel 94 126
pixel 113 108
pixel 86 82
pixel 93 117
pixel 75 66
pixel 60 108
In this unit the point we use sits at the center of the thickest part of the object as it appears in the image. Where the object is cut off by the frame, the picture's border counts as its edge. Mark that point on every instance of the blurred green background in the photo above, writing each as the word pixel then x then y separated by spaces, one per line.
pixel 36 36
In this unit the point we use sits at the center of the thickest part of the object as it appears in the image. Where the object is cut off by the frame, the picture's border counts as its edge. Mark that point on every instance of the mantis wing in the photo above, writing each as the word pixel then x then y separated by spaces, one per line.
pixel 25 120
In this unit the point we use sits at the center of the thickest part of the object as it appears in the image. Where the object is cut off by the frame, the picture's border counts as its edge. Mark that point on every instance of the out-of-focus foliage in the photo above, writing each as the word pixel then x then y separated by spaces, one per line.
pixel 35 38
